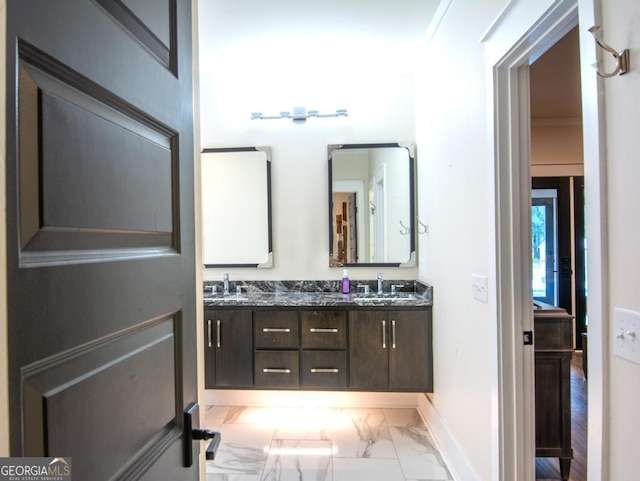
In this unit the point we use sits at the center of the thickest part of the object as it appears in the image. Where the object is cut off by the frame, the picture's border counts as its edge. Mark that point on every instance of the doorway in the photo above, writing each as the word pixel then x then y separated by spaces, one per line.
pixel 513 236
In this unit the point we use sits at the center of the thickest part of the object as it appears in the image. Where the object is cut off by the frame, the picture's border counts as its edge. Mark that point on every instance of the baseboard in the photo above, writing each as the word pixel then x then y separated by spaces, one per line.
pixel 230 397
pixel 446 443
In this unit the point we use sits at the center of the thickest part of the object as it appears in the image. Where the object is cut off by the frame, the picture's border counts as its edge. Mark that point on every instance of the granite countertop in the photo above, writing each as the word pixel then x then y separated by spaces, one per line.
pixel 316 294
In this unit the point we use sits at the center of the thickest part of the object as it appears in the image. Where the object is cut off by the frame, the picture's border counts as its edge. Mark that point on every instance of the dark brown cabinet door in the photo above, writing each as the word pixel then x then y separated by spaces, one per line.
pixel 410 359
pixel 100 234
pixel 368 350
pixel 390 350
pixel 232 342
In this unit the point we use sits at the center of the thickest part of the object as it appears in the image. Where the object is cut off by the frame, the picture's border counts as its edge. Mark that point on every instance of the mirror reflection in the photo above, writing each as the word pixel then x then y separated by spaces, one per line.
pixel 236 207
pixel 371 213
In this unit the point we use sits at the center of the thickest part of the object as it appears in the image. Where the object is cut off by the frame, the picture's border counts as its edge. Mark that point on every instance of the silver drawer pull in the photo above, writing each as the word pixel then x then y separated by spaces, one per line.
pixel 384 334
pixel 323 329
pixel 276 329
pixel 218 334
pixel 324 369
pixel 209 333
pixel 277 369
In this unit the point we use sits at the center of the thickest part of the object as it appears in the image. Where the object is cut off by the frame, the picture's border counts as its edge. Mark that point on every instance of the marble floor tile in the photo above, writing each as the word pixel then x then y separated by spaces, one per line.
pixel 405 417
pixel 322 444
pixel 418 456
pixel 365 436
pixel 214 417
pixel 299 460
pixel 243 449
pixel 361 469
pixel 231 477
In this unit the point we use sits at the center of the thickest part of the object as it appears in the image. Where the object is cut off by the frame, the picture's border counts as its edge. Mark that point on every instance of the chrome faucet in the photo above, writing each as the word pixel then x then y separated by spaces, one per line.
pixel 379 283
pixel 225 280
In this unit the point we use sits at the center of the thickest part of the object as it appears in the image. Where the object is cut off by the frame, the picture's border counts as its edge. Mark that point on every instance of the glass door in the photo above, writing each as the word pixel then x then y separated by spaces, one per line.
pixel 544 242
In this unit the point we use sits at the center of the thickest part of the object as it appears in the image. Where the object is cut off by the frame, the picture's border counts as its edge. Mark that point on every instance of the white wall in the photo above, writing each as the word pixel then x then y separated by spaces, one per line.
pixel 381 109
pixel 454 179
pixel 620 20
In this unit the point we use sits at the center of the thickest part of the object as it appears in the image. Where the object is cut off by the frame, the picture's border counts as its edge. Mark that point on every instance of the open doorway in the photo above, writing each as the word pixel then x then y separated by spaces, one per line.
pixel 513 234
pixel 557 226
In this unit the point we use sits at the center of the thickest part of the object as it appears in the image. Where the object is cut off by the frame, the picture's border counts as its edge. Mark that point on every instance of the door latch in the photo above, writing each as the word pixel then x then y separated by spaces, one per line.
pixel 191 434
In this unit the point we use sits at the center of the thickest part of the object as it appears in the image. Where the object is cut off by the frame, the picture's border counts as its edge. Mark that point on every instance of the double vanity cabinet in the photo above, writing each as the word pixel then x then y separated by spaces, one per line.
pixel 319 341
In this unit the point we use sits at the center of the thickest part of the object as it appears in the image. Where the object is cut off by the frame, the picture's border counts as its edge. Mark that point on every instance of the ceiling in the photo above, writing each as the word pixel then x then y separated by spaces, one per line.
pixel 555 81
pixel 295 33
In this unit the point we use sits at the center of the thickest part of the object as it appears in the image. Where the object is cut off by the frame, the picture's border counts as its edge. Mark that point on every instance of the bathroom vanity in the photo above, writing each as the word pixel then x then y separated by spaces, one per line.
pixel 306 335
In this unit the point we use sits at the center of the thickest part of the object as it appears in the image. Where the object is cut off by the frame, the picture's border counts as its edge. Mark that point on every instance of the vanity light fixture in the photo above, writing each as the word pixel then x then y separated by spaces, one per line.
pixel 298 114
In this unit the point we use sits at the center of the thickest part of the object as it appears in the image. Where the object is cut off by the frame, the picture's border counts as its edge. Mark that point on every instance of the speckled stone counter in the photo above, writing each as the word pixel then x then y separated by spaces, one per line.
pixel 317 294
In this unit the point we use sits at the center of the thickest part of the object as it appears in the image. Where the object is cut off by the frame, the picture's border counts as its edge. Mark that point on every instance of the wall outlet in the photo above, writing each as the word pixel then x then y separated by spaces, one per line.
pixel 479 288
pixel 626 334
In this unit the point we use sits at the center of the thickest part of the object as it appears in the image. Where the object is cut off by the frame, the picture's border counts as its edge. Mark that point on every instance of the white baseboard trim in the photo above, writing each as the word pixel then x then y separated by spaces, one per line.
pixel 229 397
pixel 446 443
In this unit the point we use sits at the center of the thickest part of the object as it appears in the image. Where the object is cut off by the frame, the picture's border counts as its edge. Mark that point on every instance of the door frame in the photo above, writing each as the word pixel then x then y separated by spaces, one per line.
pixel 514 405
pixel 4 354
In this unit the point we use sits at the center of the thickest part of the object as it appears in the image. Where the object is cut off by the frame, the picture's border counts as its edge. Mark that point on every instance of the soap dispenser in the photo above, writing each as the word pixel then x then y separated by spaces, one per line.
pixel 345 282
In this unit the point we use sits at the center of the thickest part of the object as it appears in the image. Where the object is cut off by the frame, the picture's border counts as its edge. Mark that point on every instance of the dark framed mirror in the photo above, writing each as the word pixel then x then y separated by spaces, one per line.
pixel 236 207
pixel 372 205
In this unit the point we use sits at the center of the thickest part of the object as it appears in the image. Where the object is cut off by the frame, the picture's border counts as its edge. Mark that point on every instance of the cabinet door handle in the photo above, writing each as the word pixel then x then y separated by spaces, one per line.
pixel 393 334
pixel 281 370
pixel 323 329
pixel 276 329
pixel 218 328
pixel 209 333
pixel 384 334
pixel 324 369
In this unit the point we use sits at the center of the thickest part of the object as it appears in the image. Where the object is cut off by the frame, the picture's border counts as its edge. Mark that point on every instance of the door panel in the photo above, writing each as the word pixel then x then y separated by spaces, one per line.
pixel 101 261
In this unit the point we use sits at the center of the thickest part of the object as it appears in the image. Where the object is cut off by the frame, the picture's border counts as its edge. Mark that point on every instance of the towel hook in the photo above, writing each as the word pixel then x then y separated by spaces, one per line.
pixel 622 58
pixel 425 229
pixel 405 230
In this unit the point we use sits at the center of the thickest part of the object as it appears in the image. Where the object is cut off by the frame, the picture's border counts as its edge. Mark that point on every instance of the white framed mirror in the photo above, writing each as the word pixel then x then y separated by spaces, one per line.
pixel 236 207
pixel 372 205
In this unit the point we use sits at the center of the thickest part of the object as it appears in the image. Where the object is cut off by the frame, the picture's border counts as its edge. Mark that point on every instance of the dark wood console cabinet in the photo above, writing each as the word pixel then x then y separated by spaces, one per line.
pixel 323 348
pixel 553 348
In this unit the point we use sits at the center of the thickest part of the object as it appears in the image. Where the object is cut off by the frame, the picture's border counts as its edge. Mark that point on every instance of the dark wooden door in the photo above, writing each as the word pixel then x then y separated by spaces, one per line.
pixel 100 234
pixel 368 350
pixel 410 351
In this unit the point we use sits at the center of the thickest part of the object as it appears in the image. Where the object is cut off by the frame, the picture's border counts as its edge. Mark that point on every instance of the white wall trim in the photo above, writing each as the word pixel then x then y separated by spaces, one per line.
pixel 514 403
pixel 497 21
pixel 456 461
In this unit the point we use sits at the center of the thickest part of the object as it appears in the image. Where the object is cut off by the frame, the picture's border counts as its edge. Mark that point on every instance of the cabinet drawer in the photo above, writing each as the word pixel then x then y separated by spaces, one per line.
pixel 324 369
pixel 277 369
pixel 276 329
pixel 324 329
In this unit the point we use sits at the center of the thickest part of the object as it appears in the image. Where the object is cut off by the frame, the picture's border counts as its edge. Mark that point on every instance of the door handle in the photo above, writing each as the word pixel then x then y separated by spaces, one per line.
pixel 191 434
pixel 384 334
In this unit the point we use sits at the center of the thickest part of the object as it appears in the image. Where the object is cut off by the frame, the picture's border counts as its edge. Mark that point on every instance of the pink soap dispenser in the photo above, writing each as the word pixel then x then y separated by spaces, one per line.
pixel 345 282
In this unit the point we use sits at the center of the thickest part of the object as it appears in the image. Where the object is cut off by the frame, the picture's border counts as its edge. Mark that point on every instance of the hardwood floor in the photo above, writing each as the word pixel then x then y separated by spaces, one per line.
pixel 547 469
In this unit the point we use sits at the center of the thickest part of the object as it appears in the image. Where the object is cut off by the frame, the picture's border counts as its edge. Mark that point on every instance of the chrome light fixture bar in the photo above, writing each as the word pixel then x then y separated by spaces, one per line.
pixel 298 114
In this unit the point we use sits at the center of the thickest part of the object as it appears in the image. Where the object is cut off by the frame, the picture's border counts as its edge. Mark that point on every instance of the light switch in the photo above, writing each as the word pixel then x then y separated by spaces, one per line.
pixel 479 288
pixel 626 332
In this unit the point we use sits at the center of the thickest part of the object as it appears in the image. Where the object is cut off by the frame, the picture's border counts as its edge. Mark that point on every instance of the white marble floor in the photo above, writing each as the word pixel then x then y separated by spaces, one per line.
pixel 315 444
